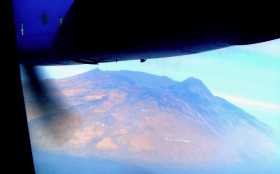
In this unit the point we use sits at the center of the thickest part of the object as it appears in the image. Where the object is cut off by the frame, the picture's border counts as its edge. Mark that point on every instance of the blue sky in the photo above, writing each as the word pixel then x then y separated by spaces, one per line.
pixel 248 76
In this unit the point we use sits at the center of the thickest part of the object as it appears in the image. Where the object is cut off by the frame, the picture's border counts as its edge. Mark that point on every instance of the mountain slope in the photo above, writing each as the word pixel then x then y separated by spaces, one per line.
pixel 136 116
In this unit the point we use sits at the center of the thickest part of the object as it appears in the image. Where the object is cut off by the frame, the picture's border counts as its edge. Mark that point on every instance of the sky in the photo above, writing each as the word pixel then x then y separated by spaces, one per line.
pixel 247 76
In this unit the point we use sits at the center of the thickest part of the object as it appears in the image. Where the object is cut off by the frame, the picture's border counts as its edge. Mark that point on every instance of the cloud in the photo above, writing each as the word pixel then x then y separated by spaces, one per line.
pixel 250 103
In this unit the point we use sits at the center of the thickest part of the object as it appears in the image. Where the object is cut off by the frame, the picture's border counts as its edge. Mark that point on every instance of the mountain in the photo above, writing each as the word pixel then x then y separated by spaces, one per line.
pixel 140 117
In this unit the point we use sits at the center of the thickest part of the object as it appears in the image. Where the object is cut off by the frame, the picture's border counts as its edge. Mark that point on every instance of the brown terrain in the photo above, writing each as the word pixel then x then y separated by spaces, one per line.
pixel 141 117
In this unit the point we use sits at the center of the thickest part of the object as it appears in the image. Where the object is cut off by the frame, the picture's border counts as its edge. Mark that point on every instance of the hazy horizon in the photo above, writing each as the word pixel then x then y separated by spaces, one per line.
pixel 135 122
pixel 248 76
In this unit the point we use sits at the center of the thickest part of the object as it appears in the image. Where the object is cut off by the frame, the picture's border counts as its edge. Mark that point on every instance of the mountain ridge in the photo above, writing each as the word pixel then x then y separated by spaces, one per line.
pixel 135 115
